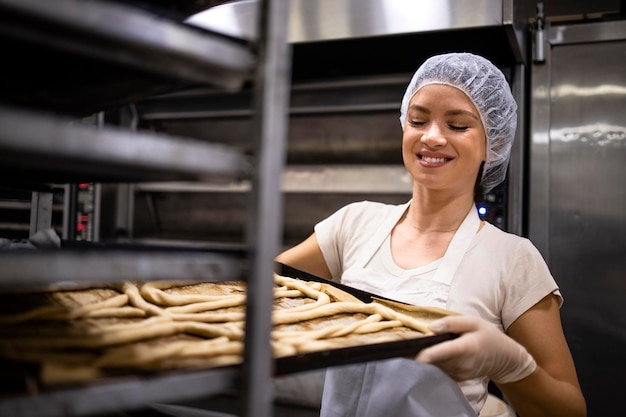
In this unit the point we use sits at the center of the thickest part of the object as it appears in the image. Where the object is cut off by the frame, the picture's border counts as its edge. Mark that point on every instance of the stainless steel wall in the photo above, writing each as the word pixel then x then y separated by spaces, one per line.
pixel 578 196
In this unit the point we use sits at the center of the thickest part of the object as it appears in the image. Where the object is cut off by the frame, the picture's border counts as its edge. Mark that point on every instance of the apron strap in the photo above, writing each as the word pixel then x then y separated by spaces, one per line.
pixel 454 253
pixel 457 247
pixel 380 235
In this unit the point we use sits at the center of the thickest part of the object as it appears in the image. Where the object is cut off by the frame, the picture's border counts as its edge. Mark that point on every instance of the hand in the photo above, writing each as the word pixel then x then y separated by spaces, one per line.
pixel 480 350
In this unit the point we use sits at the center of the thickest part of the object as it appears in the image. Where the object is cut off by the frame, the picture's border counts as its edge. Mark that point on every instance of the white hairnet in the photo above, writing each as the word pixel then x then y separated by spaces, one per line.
pixel 488 89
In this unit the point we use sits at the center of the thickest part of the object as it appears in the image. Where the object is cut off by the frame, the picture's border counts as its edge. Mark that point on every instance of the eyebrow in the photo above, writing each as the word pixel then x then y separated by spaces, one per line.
pixel 449 112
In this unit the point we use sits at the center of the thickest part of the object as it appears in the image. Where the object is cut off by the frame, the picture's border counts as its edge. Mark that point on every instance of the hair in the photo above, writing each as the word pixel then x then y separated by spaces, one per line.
pixel 479 190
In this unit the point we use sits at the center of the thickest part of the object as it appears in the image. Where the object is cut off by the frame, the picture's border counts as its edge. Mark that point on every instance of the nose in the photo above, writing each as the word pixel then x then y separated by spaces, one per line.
pixel 433 136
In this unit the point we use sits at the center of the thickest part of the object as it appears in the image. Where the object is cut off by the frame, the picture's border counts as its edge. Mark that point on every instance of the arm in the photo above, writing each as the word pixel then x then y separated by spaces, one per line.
pixel 544 387
pixel 553 389
pixel 306 256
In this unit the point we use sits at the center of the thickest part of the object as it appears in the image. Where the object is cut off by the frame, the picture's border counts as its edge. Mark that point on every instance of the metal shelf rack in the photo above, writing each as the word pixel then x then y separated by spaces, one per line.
pixel 102 54
pixel 69 152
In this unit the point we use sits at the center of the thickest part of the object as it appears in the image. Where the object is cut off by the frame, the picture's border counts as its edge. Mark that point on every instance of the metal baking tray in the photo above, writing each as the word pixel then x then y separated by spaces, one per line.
pixel 133 391
pixel 357 354
pixel 352 354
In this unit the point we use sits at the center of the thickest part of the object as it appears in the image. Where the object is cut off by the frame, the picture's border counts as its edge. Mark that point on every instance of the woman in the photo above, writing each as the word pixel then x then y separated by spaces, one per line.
pixel 458 118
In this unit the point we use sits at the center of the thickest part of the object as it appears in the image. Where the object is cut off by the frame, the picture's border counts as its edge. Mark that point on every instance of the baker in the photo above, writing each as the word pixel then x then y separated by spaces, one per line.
pixel 459 120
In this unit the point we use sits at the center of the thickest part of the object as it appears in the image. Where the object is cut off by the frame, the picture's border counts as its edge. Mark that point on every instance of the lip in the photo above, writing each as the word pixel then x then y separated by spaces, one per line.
pixel 433 159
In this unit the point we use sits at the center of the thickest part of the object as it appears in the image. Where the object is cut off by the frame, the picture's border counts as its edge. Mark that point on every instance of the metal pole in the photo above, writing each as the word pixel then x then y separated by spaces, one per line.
pixel 40 212
pixel 271 105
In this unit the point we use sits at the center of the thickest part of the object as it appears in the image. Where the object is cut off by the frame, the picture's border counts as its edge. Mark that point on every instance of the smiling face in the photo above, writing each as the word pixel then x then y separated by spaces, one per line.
pixel 444 141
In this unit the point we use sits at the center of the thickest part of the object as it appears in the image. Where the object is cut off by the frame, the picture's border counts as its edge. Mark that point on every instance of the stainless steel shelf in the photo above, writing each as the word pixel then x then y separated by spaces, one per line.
pixel 347 95
pixel 36 147
pixel 120 395
pixel 130 36
pixel 345 179
pixel 30 270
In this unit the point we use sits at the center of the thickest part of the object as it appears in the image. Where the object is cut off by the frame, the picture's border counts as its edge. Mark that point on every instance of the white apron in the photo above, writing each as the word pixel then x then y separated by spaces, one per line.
pixel 400 387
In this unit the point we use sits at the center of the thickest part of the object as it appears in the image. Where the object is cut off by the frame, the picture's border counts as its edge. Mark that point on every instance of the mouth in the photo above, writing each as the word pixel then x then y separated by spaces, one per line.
pixel 432 161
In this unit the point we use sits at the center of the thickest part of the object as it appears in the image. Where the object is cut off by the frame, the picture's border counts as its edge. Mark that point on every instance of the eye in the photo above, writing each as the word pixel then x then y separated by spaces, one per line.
pixel 413 122
pixel 458 128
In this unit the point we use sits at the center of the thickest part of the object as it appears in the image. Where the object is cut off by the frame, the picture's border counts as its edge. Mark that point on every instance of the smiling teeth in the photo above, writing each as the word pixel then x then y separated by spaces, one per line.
pixel 433 160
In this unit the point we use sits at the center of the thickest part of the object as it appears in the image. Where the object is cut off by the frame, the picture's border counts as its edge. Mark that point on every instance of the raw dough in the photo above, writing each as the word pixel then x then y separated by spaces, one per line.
pixel 78 335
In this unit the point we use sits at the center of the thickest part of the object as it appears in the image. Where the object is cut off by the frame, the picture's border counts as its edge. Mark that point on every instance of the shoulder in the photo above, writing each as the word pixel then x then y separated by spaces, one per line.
pixel 503 243
pixel 367 209
pixel 362 212
pixel 343 234
pixel 500 235
pixel 509 256
pixel 521 275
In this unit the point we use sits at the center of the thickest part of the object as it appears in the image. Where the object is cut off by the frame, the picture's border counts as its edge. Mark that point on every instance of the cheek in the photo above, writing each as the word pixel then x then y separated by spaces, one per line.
pixel 408 144
pixel 479 148
pixel 409 137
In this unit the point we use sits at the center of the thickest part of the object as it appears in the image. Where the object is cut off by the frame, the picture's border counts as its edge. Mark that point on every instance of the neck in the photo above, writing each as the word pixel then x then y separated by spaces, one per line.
pixel 431 229
pixel 437 214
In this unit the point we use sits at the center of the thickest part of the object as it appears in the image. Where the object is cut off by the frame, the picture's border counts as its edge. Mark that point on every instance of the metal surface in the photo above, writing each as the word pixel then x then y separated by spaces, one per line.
pixel 73 269
pixel 269 135
pixel 354 354
pixel 39 147
pixel 539 161
pixel 324 20
pixel 172 9
pixel 332 38
pixel 344 145
pixel 578 199
pixel 219 218
pixel 40 212
pixel 44 148
pixel 184 411
pixel 124 209
pixel 408 348
pixel 119 395
pixel 589 32
pixel 344 95
pixel 130 36
pixel 364 296
pixel 340 121
pixel 515 182
pixel 348 179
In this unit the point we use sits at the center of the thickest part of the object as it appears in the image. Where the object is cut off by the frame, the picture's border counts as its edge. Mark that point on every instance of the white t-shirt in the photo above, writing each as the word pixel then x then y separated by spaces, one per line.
pixel 500 276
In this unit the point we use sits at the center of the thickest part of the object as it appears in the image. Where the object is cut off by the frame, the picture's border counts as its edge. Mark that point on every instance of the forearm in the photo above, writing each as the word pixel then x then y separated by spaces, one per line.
pixel 540 395
pixel 306 256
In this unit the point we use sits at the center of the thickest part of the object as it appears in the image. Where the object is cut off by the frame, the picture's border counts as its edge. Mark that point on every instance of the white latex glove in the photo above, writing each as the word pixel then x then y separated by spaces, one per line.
pixel 480 350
